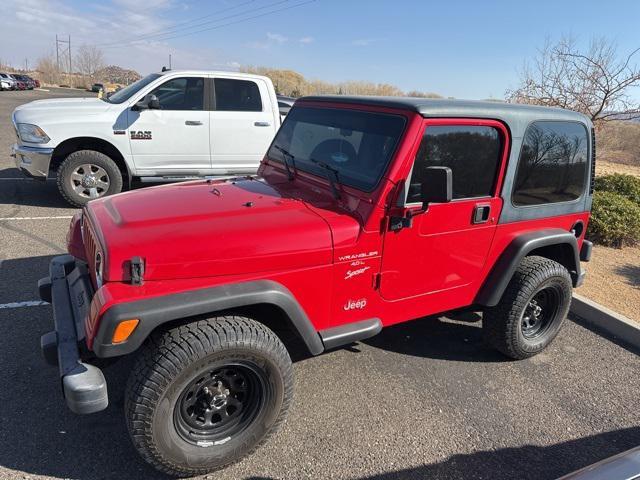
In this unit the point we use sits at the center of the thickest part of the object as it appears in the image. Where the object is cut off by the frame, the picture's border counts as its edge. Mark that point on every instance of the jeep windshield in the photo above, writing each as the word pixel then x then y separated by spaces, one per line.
pixel 126 93
pixel 356 145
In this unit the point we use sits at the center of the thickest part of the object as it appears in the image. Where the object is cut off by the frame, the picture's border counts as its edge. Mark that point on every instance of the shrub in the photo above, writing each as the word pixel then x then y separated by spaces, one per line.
pixel 615 220
pixel 626 185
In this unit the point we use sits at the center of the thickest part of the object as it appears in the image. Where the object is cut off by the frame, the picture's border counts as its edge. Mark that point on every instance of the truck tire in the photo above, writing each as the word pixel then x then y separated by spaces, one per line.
pixel 531 310
pixel 204 395
pixel 87 174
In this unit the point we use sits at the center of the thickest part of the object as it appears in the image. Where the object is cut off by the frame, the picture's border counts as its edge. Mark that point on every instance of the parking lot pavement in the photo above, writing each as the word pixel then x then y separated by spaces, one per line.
pixel 423 400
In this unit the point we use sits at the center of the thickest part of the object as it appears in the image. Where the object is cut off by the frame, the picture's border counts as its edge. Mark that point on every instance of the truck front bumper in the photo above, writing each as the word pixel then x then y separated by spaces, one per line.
pixel 68 288
pixel 32 161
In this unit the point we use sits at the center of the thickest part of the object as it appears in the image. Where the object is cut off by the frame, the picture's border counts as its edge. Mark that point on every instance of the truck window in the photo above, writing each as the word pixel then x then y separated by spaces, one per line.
pixel 185 93
pixel 471 152
pixel 358 145
pixel 127 92
pixel 237 95
pixel 552 165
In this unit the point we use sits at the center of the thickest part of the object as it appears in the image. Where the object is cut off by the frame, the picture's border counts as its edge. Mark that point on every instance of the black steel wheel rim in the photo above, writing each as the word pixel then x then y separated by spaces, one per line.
pixel 220 403
pixel 540 312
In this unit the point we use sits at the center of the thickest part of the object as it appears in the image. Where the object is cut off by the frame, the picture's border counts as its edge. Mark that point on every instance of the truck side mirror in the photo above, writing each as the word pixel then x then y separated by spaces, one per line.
pixel 437 186
pixel 149 102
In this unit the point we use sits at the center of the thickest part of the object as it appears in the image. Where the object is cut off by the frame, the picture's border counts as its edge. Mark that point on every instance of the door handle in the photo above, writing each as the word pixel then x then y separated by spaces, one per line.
pixel 261 124
pixel 193 122
pixel 481 213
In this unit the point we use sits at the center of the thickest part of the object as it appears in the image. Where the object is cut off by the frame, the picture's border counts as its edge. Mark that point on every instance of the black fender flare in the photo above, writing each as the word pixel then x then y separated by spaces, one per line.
pixel 496 282
pixel 153 312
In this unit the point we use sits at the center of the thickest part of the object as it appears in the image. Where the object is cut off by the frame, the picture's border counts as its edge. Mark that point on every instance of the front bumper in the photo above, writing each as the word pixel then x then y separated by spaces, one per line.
pixel 69 290
pixel 32 161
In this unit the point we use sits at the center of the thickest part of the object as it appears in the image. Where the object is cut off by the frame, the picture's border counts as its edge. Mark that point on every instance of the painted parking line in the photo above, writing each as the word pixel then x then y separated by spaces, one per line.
pixel 25 178
pixel 30 303
pixel 55 217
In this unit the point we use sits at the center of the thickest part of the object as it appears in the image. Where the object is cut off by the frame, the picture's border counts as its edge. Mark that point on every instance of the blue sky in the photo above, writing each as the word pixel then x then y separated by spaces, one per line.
pixel 464 49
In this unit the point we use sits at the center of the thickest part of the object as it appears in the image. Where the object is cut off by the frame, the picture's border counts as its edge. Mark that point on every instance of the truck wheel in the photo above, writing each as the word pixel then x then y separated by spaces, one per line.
pixel 87 174
pixel 203 395
pixel 532 309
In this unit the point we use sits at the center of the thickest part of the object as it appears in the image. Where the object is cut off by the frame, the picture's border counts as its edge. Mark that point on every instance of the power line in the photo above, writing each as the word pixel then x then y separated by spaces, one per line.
pixel 178 26
pixel 215 27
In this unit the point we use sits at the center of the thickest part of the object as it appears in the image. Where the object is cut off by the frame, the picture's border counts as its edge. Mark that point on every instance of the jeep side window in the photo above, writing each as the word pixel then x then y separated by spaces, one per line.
pixel 237 95
pixel 471 152
pixel 552 165
pixel 181 94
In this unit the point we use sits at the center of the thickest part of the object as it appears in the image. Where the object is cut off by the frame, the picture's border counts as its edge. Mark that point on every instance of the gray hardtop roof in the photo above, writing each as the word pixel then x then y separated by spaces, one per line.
pixel 429 107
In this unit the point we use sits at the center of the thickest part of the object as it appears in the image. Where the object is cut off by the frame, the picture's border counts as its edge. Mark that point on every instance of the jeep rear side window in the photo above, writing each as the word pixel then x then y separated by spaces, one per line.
pixel 471 152
pixel 552 165
pixel 181 94
pixel 237 95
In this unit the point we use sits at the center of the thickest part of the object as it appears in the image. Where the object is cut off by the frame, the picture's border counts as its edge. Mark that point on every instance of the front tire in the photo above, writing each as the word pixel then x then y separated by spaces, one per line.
pixel 531 310
pixel 87 174
pixel 204 395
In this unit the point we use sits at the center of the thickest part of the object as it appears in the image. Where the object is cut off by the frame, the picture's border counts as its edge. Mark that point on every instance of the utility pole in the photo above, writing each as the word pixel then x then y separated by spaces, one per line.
pixel 169 61
pixel 26 64
pixel 61 51
pixel 57 55
pixel 69 54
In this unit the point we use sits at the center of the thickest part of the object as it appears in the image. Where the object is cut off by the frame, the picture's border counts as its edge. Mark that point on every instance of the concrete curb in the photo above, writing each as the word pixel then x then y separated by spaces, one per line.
pixel 619 326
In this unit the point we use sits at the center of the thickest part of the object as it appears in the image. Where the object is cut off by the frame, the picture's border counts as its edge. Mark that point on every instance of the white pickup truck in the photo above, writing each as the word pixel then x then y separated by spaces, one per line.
pixel 167 126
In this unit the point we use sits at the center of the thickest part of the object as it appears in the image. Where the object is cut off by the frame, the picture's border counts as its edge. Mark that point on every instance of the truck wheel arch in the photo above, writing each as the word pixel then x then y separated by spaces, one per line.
pixel 555 244
pixel 74 144
pixel 161 311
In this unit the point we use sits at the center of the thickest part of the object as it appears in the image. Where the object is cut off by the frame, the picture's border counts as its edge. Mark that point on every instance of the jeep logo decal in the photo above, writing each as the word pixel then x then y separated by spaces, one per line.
pixel 140 135
pixel 355 304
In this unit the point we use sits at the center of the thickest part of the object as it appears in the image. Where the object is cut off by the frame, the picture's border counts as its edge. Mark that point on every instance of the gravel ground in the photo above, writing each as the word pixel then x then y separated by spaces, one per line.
pixel 421 400
pixel 613 279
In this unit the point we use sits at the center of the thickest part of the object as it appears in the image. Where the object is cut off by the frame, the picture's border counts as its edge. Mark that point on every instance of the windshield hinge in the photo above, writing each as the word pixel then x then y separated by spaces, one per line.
pixel 137 271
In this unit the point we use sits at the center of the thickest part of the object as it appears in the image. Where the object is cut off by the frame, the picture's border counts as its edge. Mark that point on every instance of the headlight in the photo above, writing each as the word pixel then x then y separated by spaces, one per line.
pixel 99 268
pixel 32 133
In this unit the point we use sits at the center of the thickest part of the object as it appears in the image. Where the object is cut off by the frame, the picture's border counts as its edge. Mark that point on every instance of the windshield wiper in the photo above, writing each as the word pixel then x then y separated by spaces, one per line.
pixel 332 176
pixel 286 154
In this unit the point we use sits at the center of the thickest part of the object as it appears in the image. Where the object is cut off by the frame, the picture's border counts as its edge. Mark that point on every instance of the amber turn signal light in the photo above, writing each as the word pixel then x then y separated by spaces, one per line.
pixel 124 330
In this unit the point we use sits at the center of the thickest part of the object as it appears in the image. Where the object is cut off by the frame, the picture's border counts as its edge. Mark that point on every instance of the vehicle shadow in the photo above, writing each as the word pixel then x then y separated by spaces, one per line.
pixel 528 462
pixel 438 338
pixel 28 192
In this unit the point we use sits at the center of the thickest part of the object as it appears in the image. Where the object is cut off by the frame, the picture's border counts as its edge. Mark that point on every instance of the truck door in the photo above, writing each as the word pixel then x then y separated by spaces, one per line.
pixel 438 260
pixel 242 125
pixel 174 138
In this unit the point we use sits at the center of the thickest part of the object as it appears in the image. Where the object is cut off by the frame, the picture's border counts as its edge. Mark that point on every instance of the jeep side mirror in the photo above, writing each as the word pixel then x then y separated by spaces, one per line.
pixel 437 186
pixel 149 102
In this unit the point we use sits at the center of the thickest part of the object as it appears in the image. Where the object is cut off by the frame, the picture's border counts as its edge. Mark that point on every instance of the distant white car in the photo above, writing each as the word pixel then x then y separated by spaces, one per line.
pixel 167 126
pixel 6 82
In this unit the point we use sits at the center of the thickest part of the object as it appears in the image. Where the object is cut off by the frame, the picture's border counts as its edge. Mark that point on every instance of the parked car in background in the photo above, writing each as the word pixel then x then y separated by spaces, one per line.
pixel 7 82
pixel 28 82
pixel 166 127
pixel 96 87
pixel 285 104
pixel 20 84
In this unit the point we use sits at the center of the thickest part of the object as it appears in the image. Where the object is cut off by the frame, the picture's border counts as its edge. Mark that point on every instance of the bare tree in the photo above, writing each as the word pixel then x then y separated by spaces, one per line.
pixel 89 59
pixel 596 81
pixel 47 69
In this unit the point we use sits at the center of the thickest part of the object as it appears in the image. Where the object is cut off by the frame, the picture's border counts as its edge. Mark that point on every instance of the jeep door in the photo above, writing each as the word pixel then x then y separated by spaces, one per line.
pixel 174 138
pixel 438 260
pixel 242 124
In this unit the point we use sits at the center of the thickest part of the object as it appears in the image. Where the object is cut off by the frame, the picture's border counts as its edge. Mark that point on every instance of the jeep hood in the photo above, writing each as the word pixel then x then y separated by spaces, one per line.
pixel 201 229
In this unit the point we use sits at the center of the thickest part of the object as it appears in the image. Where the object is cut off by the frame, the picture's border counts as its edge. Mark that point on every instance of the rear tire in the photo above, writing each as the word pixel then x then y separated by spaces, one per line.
pixel 87 174
pixel 204 395
pixel 531 310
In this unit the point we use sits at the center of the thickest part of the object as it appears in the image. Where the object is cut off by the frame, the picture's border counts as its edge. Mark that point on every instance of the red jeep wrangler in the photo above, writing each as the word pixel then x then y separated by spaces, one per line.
pixel 365 212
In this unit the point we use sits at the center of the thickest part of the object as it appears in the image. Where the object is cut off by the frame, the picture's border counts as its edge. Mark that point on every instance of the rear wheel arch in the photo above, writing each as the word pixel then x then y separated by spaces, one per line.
pixel 67 147
pixel 554 244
